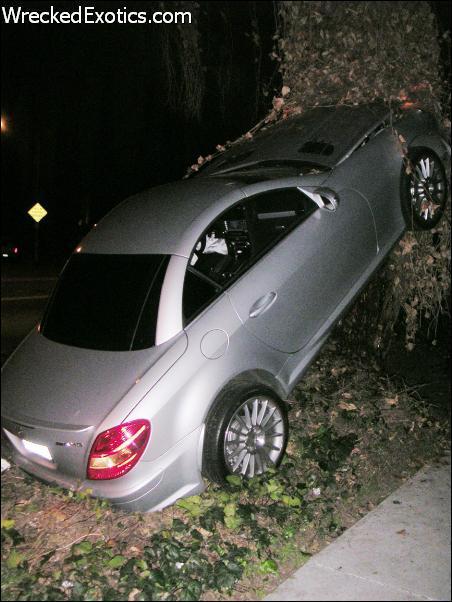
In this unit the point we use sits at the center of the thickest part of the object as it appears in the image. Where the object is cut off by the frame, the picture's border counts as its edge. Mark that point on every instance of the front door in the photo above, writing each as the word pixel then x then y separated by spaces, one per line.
pixel 307 259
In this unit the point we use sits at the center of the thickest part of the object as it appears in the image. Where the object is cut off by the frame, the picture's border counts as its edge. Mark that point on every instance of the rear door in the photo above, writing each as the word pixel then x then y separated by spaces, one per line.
pixel 305 260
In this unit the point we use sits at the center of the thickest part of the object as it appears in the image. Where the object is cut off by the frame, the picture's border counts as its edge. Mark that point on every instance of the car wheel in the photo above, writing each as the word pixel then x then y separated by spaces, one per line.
pixel 246 433
pixel 423 190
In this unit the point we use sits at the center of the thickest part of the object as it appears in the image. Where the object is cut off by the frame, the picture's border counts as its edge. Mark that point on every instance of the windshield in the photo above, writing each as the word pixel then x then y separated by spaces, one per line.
pixel 107 302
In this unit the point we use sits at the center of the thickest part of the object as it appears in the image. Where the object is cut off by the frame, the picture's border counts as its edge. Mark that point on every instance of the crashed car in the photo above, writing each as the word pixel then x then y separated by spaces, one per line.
pixel 183 321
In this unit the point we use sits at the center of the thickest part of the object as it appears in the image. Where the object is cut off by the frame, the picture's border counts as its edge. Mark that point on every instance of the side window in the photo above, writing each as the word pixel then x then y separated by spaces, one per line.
pixel 224 249
pixel 275 213
pixel 219 256
pixel 198 293
pixel 238 238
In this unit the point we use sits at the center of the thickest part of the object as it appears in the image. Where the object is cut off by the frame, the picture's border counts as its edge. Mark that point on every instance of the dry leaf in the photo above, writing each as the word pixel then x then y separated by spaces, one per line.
pixel 392 401
pixel 348 407
pixel 59 516
pixel 407 245
pixel 285 90
pixel 278 103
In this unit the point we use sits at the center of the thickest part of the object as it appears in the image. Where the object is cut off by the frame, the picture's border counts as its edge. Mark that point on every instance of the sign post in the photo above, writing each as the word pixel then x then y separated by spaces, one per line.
pixel 37 212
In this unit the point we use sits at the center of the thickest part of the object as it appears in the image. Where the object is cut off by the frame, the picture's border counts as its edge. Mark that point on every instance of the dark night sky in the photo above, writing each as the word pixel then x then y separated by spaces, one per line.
pixel 88 118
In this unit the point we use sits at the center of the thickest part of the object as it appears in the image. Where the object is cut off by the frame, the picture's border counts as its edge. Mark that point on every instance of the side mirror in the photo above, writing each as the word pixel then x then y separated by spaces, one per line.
pixel 325 198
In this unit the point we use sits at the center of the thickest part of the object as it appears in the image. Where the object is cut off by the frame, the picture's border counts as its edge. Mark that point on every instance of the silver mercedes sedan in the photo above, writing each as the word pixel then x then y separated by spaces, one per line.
pixel 185 318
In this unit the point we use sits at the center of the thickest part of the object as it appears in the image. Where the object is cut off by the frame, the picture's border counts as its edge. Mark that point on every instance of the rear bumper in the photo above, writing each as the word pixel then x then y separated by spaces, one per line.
pixel 148 486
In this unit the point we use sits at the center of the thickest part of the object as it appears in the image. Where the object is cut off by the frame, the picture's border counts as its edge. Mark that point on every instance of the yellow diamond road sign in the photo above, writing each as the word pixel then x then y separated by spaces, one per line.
pixel 37 212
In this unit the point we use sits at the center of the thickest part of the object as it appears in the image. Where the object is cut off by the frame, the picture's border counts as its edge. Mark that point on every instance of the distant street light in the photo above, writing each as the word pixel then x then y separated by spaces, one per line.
pixel 4 125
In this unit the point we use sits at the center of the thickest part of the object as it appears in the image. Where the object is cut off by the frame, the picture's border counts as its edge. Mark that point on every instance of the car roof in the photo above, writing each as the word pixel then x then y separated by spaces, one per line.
pixel 165 220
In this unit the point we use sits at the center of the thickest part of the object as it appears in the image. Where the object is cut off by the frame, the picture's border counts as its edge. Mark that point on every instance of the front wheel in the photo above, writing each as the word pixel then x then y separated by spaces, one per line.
pixel 246 433
pixel 423 189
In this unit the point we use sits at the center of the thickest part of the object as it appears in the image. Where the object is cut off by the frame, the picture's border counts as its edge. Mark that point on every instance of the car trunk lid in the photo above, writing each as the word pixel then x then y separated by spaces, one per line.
pixel 70 387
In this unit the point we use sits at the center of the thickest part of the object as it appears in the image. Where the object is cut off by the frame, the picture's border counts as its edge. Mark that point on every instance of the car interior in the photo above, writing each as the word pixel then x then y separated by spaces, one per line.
pixel 246 231
pixel 222 251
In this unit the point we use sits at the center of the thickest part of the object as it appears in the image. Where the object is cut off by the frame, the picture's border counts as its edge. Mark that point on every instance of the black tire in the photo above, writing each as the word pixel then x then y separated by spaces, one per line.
pixel 423 191
pixel 262 442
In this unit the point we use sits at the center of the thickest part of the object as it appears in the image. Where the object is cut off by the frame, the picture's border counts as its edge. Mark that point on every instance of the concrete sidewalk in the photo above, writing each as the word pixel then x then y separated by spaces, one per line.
pixel 399 551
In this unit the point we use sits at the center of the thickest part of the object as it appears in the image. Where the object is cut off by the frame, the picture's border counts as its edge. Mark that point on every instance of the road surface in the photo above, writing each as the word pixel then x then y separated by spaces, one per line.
pixel 24 293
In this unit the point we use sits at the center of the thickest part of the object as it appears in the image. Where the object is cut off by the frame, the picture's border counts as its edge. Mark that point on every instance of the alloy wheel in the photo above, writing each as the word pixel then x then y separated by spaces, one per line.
pixel 427 188
pixel 254 438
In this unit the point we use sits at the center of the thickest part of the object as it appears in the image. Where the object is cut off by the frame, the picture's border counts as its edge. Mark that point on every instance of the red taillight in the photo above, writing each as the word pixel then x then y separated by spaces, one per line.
pixel 118 449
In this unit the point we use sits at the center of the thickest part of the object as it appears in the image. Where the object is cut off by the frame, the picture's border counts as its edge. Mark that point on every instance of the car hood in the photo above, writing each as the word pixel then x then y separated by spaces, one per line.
pixel 53 385
pixel 322 136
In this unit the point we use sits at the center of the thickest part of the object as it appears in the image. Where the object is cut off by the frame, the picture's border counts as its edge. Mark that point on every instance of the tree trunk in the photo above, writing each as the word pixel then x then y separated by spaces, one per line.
pixel 354 52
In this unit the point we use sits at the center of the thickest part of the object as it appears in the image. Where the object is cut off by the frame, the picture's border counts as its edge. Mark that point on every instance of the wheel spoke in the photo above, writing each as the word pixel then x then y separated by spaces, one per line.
pixel 240 433
pixel 238 450
pixel 271 425
pixel 274 434
pixel 273 447
pixel 239 460
pixel 265 459
pixel 262 412
pixel 424 168
pixel 268 416
pixel 259 463
pixel 246 461
pixel 242 422
pixel 254 412
pixel 248 420
pixel 251 465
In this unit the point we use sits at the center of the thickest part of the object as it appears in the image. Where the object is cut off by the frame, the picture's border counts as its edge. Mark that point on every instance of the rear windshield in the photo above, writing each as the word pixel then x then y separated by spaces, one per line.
pixel 107 302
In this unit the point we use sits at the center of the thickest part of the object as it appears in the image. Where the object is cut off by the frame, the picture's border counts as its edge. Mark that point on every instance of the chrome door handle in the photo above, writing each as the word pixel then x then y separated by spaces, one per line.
pixel 262 304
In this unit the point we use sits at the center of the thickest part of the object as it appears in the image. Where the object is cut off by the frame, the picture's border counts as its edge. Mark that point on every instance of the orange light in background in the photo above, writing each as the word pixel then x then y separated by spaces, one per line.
pixel 78 249
pixel 4 124
pixel 409 104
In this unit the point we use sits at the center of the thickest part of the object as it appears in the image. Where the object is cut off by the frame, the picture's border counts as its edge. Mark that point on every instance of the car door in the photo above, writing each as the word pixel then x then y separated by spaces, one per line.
pixel 306 260
pixel 374 170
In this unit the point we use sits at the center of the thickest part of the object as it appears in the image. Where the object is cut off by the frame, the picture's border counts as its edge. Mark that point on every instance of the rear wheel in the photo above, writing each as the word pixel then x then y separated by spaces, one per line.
pixel 423 190
pixel 246 433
